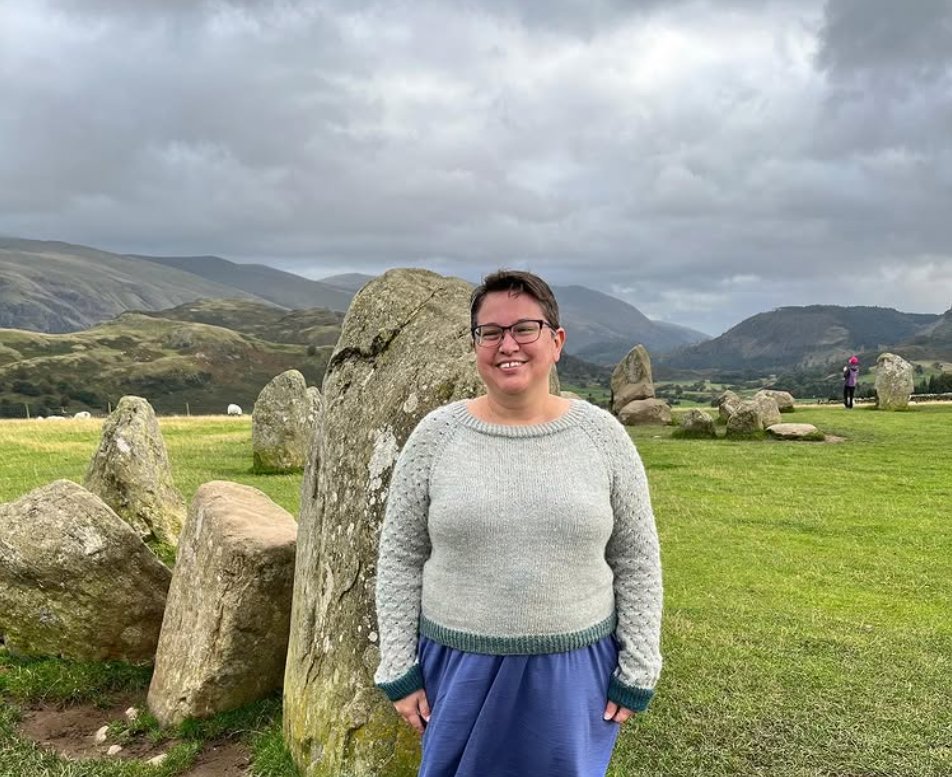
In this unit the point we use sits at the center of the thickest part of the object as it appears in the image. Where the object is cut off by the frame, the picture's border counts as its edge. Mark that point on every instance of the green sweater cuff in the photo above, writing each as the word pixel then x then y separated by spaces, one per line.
pixel 403 685
pixel 635 699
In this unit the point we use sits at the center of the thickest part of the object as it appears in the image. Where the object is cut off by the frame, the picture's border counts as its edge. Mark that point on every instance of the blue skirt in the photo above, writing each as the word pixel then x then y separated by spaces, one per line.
pixel 517 716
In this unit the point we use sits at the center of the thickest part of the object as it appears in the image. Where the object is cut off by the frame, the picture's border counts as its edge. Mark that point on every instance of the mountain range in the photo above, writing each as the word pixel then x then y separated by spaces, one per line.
pixel 57 288
pixel 812 338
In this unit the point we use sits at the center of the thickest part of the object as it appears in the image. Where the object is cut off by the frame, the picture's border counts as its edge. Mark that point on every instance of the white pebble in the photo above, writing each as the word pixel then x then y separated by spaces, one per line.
pixel 115 749
pixel 101 735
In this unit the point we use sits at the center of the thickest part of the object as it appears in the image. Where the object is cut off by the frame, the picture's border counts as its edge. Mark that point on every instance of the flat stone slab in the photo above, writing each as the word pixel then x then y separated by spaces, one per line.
pixel 792 431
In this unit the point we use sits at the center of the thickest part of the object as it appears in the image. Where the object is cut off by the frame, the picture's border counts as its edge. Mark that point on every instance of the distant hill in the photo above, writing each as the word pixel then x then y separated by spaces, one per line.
pixel 602 329
pixel 933 342
pixel 800 338
pixel 168 362
pixel 266 322
pixel 282 288
pixel 48 286
pixel 351 282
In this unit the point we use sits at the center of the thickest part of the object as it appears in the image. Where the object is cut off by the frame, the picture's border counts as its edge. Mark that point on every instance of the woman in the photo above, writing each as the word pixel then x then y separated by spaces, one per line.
pixel 850 378
pixel 519 581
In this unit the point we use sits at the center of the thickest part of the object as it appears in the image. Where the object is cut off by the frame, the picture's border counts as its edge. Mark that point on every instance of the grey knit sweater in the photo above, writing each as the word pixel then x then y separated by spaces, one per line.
pixel 520 539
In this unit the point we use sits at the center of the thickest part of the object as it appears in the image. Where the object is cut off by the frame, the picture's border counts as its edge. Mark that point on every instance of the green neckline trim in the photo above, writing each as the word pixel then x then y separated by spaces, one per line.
pixel 519 645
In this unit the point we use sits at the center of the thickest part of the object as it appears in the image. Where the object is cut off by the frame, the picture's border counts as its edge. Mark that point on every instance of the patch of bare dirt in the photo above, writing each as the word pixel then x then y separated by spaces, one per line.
pixel 70 731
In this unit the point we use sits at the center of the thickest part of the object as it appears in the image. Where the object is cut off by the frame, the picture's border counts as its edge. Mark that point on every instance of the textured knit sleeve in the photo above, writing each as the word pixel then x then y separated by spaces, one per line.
pixel 404 547
pixel 634 557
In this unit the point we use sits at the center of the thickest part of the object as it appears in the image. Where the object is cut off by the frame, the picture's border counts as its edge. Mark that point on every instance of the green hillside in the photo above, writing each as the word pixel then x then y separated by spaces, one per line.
pixel 174 364
pixel 316 326
pixel 50 286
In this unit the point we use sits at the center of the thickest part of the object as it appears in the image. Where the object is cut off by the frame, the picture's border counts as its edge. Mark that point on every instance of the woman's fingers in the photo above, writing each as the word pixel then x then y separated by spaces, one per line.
pixel 415 710
pixel 617 713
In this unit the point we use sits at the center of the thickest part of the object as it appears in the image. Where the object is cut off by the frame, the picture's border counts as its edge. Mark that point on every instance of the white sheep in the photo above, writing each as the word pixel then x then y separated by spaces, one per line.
pixel 83 414
pixel 234 410
pixel 56 418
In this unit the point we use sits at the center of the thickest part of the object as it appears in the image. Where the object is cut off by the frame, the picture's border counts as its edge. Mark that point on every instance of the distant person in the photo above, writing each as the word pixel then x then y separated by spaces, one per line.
pixel 519 578
pixel 850 376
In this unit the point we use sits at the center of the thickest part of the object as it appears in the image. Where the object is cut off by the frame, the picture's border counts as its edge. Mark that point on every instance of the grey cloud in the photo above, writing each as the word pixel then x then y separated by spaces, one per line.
pixel 676 149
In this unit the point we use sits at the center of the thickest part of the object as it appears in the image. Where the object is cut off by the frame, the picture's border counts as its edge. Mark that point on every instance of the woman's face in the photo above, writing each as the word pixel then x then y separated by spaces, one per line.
pixel 508 367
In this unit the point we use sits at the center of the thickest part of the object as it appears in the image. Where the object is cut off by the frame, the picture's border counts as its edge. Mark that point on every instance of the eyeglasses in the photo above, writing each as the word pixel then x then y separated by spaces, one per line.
pixel 523 332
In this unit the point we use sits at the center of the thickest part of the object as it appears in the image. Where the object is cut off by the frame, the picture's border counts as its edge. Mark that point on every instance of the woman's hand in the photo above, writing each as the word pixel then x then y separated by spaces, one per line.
pixel 617 713
pixel 415 710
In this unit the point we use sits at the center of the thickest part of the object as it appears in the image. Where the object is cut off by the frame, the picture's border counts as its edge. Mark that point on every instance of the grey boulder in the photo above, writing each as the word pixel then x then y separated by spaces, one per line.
pixel 697 423
pixel 76 580
pixel 225 634
pixel 894 382
pixel 645 412
pixel 130 471
pixel 631 379
pixel 281 424
pixel 745 421
pixel 793 431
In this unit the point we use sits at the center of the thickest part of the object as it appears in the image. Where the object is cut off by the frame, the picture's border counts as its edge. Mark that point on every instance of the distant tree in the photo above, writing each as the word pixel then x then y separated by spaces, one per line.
pixel 26 388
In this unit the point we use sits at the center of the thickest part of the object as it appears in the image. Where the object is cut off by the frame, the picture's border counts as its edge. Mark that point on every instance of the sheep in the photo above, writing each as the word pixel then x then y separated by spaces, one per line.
pixel 83 414
pixel 234 410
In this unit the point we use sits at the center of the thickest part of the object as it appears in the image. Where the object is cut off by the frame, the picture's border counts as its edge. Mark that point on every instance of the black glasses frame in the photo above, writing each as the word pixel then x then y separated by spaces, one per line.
pixel 541 322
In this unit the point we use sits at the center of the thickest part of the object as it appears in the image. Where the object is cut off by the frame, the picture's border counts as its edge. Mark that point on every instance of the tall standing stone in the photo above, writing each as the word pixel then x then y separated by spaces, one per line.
pixel 281 424
pixel 631 379
pixel 130 472
pixel 894 382
pixel 404 350
pixel 76 580
pixel 225 634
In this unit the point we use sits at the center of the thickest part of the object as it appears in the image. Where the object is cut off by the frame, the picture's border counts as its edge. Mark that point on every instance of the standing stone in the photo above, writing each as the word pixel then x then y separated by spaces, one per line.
pixel 767 407
pixel 645 412
pixel 784 399
pixel 697 423
pixel 404 350
pixel 281 424
pixel 76 580
pixel 727 404
pixel 894 382
pixel 746 421
pixel 631 379
pixel 130 471
pixel 225 634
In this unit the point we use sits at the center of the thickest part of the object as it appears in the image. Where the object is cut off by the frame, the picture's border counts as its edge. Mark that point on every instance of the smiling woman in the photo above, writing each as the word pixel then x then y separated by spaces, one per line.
pixel 519 601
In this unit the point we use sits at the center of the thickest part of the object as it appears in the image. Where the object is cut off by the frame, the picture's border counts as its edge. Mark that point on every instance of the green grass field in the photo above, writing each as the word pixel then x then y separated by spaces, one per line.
pixel 808 625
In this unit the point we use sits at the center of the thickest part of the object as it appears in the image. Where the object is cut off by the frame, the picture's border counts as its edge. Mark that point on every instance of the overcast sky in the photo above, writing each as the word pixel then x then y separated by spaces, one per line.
pixel 704 161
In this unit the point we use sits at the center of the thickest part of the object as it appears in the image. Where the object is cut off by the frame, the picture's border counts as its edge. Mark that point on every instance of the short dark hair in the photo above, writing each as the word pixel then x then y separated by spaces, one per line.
pixel 516 282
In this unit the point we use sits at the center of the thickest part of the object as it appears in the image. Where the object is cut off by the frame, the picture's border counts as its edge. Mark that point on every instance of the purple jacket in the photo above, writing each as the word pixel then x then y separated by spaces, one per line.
pixel 851 374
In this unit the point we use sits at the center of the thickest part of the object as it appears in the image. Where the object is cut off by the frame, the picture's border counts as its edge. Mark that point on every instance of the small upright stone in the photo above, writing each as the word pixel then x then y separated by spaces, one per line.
pixel 225 634
pixel 631 379
pixel 894 382
pixel 130 471
pixel 281 424
pixel 784 399
pixel 727 403
pixel 75 580
pixel 696 423
pixel 767 406
pixel 745 422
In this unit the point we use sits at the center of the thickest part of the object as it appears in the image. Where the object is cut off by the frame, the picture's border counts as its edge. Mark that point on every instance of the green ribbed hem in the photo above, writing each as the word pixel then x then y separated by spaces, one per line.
pixel 635 699
pixel 516 646
pixel 403 685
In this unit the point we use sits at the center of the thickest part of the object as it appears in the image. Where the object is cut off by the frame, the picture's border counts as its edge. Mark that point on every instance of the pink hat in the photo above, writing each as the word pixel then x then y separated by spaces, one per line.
pixel 854 360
